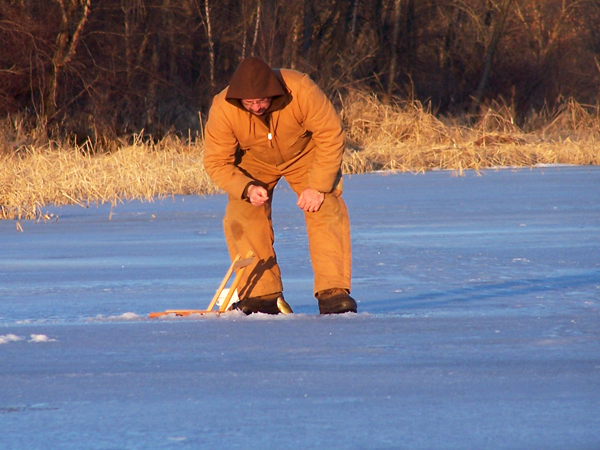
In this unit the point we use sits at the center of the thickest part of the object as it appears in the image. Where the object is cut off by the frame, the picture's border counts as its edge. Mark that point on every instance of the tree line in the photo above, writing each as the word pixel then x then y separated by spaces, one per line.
pixel 108 68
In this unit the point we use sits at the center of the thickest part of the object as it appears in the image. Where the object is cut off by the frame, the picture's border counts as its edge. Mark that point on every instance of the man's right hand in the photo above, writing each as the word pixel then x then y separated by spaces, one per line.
pixel 257 195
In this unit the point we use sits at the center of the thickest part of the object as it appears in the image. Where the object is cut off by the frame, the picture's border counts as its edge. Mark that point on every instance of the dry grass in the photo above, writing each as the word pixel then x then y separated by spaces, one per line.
pixel 410 138
pixel 33 178
pixel 35 172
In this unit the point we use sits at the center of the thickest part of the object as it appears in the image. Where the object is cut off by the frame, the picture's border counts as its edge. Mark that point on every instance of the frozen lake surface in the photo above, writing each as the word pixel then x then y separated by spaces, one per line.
pixel 478 324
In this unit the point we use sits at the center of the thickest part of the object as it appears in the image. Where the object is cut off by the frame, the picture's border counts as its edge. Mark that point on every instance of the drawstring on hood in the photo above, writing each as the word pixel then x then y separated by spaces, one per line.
pixel 254 79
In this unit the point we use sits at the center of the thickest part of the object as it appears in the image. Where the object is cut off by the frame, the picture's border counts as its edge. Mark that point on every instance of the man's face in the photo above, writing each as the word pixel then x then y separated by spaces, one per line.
pixel 257 106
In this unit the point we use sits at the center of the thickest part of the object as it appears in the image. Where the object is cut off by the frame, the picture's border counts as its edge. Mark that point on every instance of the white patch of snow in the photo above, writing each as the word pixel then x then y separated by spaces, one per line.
pixel 9 338
pixel 40 338
pixel 128 316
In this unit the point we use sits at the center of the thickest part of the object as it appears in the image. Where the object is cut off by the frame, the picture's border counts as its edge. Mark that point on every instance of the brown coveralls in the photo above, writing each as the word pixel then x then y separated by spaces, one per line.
pixel 300 138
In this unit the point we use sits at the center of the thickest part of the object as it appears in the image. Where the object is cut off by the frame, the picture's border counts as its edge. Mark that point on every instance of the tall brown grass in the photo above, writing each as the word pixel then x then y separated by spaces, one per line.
pixel 410 138
pixel 31 178
pixel 35 172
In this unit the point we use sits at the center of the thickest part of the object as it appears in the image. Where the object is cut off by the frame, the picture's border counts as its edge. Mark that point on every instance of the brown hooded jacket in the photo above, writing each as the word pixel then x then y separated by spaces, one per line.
pixel 300 119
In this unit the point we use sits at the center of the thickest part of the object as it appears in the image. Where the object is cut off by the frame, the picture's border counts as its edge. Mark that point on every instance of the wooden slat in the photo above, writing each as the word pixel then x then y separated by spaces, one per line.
pixel 226 278
pixel 236 281
pixel 238 264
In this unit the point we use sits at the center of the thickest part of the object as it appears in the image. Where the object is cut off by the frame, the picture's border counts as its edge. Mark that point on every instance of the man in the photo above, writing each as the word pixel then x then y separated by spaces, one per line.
pixel 273 123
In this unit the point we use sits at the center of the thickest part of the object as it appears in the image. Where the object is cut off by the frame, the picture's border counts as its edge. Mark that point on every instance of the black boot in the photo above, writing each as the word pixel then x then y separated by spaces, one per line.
pixel 335 301
pixel 266 304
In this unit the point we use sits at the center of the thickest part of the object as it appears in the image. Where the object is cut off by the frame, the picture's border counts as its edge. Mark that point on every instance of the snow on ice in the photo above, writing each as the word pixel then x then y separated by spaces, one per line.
pixel 33 338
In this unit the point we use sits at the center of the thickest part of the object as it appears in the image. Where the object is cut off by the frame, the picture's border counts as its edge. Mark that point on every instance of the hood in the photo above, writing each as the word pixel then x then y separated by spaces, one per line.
pixel 255 79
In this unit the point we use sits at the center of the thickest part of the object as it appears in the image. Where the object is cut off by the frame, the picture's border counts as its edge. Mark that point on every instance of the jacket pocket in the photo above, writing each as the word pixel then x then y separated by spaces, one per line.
pixel 297 146
pixel 262 153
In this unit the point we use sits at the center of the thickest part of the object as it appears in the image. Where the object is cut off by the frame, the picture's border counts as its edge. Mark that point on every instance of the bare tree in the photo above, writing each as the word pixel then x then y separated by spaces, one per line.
pixel 73 17
pixel 211 45
pixel 256 27
pixel 295 40
pixel 308 30
pixel 489 54
pixel 394 49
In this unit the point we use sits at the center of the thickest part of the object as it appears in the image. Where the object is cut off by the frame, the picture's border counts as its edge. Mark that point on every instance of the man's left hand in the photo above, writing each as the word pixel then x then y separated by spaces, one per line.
pixel 310 200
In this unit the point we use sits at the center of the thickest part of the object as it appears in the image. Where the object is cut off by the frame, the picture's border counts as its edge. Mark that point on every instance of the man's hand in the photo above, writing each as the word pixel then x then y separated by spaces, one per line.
pixel 310 200
pixel 257 195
